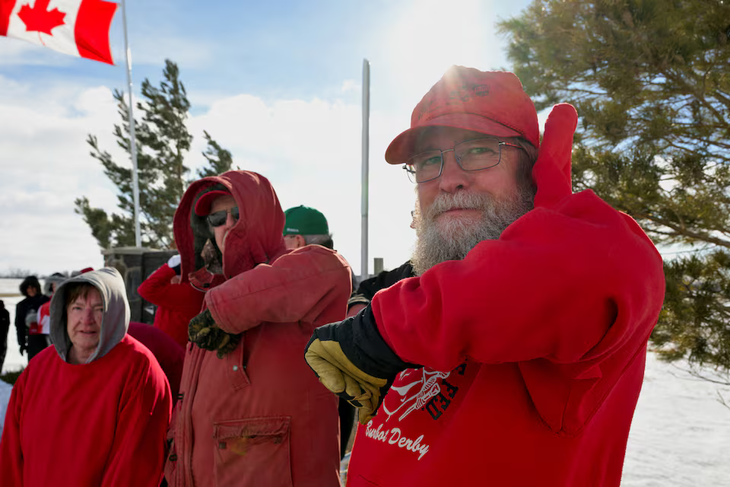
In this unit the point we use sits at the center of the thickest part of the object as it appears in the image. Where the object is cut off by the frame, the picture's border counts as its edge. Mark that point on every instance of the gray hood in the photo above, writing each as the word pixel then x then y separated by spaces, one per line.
pixel 115 322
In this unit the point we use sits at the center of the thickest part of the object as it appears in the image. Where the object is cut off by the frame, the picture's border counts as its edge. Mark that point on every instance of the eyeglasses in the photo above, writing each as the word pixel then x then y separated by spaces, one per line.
pixel 471 155
pixel 220 217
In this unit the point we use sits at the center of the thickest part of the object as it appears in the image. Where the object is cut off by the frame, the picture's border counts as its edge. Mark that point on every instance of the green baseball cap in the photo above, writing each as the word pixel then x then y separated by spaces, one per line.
pixel 303 220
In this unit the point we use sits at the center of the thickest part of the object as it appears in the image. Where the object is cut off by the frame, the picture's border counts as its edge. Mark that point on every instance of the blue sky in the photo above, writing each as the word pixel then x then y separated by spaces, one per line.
pixel 277 83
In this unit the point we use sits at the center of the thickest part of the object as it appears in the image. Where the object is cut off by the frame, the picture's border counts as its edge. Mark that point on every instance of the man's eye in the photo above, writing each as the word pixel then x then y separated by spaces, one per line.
pixel 431 161
pixel 477 151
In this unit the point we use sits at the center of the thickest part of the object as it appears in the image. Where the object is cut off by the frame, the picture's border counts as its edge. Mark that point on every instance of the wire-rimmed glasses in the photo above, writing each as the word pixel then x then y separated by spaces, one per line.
pixel 471 155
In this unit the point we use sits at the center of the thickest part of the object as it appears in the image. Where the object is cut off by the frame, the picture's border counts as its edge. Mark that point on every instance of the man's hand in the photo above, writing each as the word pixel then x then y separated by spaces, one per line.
pixel 352 360
pixel 22 349
pixel 205 333
pixel 552 167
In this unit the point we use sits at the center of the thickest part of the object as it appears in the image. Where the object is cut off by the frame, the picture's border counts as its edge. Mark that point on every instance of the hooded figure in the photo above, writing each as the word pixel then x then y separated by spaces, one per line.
pixel 93 409
pixel 255 416
pixel 26 317
pixel 4 327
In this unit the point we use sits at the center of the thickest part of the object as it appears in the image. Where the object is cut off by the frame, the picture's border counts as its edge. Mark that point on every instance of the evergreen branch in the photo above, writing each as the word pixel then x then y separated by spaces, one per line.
pixel 684 232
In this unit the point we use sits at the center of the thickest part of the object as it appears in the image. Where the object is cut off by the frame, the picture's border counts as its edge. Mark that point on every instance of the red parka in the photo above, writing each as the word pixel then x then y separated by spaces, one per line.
pixel 258 417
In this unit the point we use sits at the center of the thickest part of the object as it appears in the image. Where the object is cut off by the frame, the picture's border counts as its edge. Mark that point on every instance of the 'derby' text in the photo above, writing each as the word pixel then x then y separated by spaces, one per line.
pixel 394 436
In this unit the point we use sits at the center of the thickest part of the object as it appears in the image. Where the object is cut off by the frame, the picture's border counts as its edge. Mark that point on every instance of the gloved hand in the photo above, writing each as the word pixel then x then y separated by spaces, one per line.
pixel 352 360
pixel 22 349
pixel 174 263
pixel 205 333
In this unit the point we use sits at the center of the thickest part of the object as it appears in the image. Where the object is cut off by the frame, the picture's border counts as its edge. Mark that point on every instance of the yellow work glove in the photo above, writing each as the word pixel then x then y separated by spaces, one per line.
pixel 206 334
pixel 352 360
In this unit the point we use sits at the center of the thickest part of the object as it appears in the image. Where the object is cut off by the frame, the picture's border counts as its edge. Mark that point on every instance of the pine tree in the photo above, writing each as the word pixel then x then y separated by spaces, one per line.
pixel 651 82
pixel 219 159
pixel 162 141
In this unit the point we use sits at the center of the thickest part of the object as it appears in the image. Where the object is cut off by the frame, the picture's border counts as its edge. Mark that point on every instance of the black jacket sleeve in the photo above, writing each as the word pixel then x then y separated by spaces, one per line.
pixel 385 279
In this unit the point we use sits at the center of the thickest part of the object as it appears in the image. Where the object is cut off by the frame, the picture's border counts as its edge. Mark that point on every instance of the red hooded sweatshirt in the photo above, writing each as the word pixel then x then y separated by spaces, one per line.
pixel 534 348
pixel 101 423
pixel 257 417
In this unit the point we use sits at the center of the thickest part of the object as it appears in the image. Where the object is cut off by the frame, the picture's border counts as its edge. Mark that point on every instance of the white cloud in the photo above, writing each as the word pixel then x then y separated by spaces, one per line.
pixel 45 165
pixel 350 85
pixel 311 152
pixel 309 149
pixel 16 52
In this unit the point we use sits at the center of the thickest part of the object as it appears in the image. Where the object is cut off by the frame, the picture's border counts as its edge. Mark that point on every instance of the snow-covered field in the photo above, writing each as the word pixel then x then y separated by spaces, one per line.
pixel 680 435
pixel 13 359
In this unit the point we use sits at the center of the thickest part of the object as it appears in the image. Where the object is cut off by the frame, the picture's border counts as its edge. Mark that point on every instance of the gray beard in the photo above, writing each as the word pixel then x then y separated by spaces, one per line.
pixel 453 238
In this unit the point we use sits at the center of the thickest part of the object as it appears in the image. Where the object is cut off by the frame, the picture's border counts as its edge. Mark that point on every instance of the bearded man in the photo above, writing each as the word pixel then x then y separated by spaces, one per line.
pixel 516 355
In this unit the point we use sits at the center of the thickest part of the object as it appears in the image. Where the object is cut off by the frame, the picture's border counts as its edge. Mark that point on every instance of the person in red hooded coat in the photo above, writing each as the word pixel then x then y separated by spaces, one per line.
pixel 176 303
pixel 250 412
pixel 515 357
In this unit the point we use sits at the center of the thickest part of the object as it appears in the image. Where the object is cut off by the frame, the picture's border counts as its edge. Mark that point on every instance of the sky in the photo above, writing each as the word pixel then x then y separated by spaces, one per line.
pixel 279 84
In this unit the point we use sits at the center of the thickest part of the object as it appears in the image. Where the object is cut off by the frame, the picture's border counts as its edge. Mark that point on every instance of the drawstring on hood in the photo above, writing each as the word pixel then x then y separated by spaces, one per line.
pixel 108 281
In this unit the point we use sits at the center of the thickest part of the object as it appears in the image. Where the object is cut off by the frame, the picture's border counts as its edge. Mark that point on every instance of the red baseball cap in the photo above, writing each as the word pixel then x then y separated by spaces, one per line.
pixel 490 102
pixel 202 207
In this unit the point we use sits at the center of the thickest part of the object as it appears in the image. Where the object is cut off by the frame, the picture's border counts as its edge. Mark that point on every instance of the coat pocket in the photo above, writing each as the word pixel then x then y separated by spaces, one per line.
pixel 253 451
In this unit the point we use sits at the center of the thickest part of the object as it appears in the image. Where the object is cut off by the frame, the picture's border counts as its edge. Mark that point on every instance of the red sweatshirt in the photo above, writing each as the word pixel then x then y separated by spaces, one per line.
pixel 101 423
pixel 93 424
pixel 176 304
pixel 534 348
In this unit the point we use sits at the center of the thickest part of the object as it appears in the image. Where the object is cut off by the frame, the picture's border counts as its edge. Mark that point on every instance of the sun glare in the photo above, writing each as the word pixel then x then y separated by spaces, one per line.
pixel 431 35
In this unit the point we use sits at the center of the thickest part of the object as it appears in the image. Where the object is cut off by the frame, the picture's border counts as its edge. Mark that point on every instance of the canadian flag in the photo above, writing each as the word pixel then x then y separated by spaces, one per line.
pixel 75 27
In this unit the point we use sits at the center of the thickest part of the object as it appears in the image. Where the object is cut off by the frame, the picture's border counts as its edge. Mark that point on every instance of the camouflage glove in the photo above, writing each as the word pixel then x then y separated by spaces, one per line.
pixel 205 333
pixel 352 360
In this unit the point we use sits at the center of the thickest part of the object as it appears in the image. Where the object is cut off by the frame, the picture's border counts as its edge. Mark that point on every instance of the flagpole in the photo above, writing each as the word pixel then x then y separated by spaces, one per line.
pixel 132 137
pixel 365 164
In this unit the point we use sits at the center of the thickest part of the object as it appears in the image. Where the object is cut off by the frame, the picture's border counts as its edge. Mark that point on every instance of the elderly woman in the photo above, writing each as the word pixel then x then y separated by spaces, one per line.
pixel 93 409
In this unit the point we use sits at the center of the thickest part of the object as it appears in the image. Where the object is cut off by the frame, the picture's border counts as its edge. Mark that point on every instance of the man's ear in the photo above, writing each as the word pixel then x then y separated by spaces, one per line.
pixel 300 241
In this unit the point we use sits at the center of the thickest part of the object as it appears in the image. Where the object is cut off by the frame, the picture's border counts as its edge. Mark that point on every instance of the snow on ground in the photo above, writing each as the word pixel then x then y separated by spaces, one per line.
pixel 680 435
pixel 13 359
pixel 5 390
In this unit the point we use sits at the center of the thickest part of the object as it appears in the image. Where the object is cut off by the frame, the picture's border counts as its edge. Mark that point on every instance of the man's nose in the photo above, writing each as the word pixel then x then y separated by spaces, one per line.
pixel 453 177
pixel 230 220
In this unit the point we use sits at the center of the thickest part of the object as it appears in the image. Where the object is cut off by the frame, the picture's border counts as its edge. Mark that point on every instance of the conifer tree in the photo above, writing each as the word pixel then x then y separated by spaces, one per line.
pixel 651 82
pixel 219 159
pixel 163 141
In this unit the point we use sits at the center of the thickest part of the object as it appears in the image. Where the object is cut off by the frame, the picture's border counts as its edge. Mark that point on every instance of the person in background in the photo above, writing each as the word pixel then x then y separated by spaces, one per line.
pixel 169 354
pixel 250 412
pixel 177 303
pixel 44 312
pixel 308 226
pixel 519 347
pixel 4 329
pixel 26 317
pixel 93 409
pixel 367 288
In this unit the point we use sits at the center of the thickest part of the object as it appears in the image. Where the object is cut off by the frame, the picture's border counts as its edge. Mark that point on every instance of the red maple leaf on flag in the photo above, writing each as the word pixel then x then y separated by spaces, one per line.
pixel 39 19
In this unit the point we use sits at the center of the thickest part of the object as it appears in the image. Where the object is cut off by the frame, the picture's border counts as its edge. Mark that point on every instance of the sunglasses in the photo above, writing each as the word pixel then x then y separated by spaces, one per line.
pixel 219 217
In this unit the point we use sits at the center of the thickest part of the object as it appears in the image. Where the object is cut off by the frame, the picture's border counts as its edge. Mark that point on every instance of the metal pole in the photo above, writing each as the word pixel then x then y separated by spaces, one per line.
pixel 365 158
pixel 132 137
